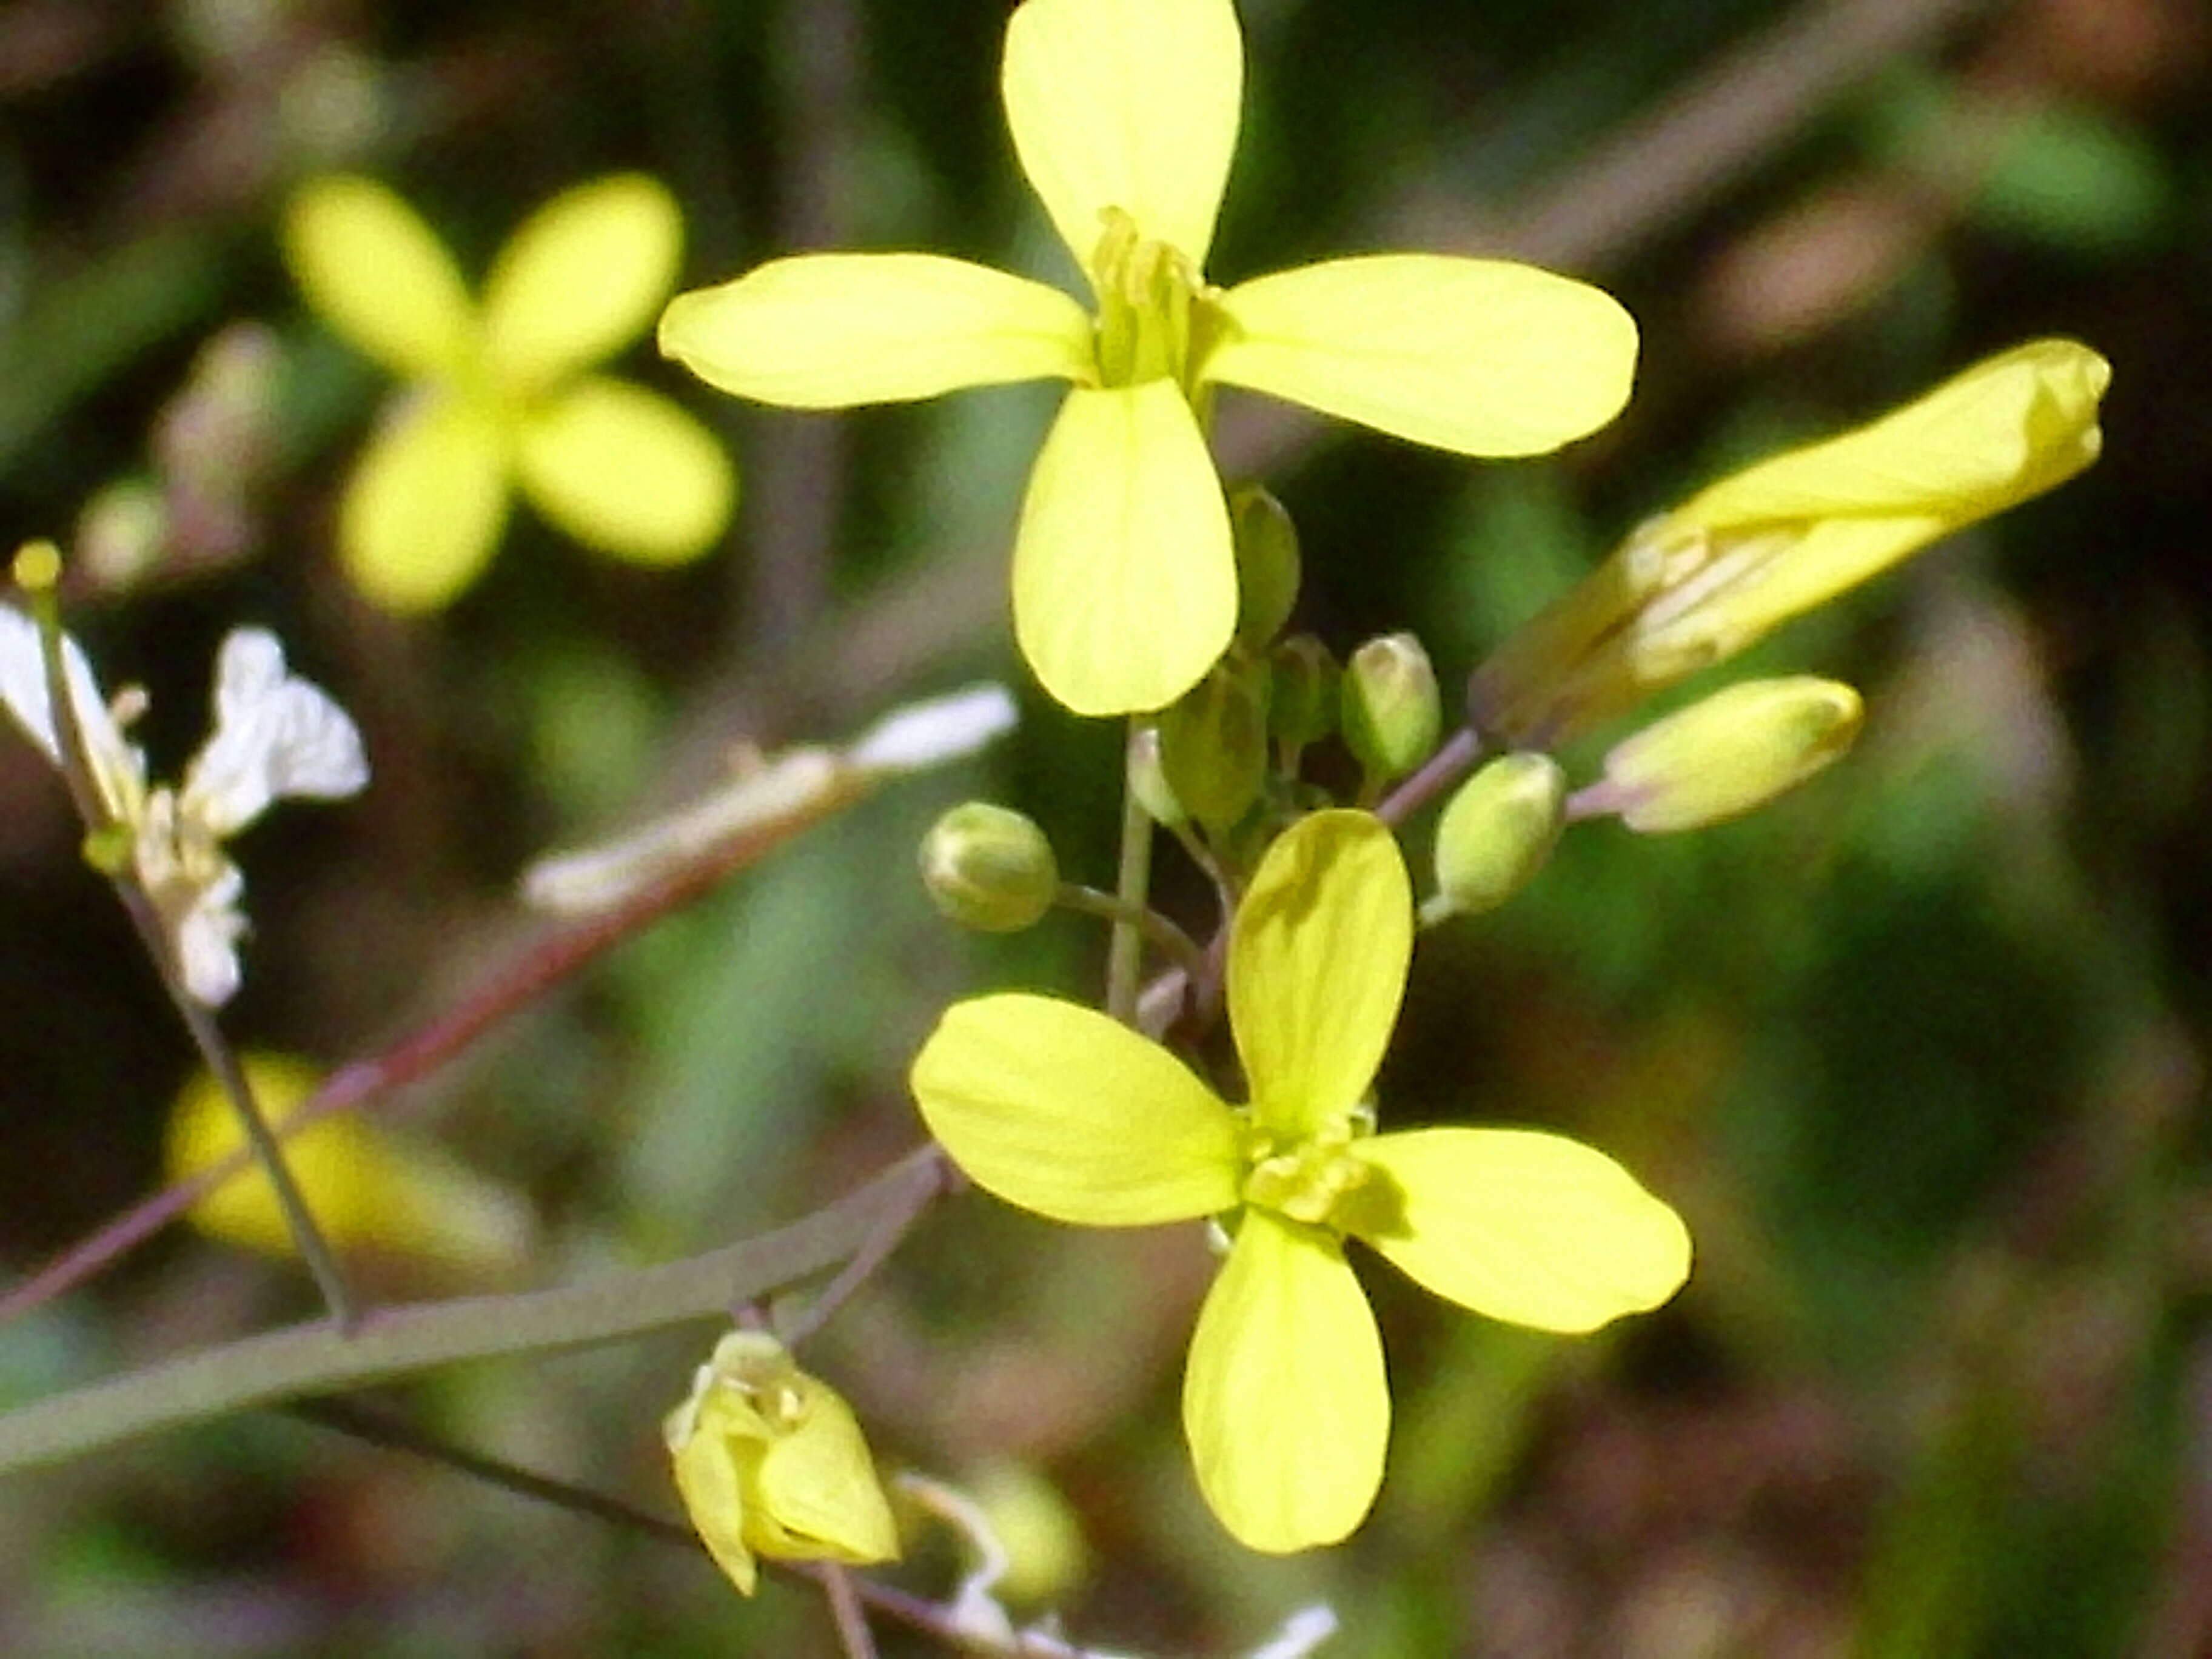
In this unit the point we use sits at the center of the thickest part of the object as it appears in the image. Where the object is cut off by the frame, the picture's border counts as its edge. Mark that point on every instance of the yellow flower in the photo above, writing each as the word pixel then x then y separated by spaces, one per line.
pixel 771 1462
pixel 368 1187
pixel 1124 115
pixel 1697 585
pixel 497 396
pixel 1062 1110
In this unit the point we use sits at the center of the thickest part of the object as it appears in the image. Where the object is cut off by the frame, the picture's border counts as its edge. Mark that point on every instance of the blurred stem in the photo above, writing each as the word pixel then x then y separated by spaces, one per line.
pixel 391 1342
pixel 1164 934
pixel 1132 891
pixel 82 781
pixel 1453 760
pixel 845 1609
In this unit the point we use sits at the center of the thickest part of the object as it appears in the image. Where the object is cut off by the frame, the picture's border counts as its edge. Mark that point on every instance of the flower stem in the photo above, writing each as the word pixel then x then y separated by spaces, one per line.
pixel 1155 927
pixel 1131 890
pixel 1451 762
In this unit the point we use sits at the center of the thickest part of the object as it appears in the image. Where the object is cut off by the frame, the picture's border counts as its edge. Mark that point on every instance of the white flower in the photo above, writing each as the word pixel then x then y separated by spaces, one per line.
pixel 275 735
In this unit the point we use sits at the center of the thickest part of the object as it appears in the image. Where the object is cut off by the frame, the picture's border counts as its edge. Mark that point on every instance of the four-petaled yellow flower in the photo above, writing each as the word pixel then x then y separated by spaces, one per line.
pixel 496 395
pixel 1124 115
pixel 770 1460
pixel 1057 1108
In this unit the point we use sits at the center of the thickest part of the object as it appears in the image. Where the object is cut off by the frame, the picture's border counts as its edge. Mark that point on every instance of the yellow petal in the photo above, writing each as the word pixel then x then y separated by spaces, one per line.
pixel 1128 104
pixel 1125 583
pixel 379 276
pixel 1528 1227
pixel 369 1188
pixel 580 279
pixel 820 1498
pixel 1062 1110
pixel 2009 427
pixel 426 504
pixel 1285 1402
pixel 623 470
pixel 1811 522
pixel 1479 356
pixel 1317 962
pixel 829 331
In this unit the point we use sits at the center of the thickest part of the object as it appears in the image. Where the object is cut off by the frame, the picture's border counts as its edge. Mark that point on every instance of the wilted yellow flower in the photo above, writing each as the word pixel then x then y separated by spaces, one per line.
pixel 1124 115
pixel 770 1461
pixel 1697 585
pixel 369 1188
pixel 1064 1111
pixel 496 395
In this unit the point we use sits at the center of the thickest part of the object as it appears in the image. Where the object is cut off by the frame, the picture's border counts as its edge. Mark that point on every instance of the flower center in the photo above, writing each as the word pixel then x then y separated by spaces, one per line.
pixel 1157 317
pixel 1310 1178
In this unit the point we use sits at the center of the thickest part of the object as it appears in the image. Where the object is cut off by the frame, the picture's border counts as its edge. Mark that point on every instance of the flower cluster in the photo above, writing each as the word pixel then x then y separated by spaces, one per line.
pixel 1057 1108
pixel 275 735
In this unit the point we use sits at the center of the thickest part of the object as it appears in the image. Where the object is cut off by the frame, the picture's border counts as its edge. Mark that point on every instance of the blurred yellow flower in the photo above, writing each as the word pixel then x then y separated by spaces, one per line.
pixel 770 1461
pixel 496 395
pixel 1065 1112
pixel 371 1188
pixel 1695 585
pixel 1125 115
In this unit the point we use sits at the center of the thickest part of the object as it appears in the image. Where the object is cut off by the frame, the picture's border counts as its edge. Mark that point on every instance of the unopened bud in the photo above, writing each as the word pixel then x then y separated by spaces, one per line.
pixel 989 868
pixel 1391 709
pixel 1148 779
pixel 1302 703
pixel 1720 758
pixel 1213 746
pixel 1497 831
pixel 1267 564
pixel 38 567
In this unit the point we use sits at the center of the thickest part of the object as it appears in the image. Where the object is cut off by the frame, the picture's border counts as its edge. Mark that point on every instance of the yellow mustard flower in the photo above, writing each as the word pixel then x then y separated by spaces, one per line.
pixel 370 1187
pixel 1697 585
pixel 1063 1111
pixel 770 1461
pixel 1124 116
pixel 496 395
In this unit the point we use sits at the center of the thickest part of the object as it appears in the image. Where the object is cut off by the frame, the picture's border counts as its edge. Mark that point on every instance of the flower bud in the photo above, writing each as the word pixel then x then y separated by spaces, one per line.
pixel 1267 565
pixel 1722 756
pixel 770 1461
pixel 1148 778
pixel 1304 680
pixel 1213 745
pixel 1497 831
pixel 1695 585
pixel 1391 710
pixel 989 868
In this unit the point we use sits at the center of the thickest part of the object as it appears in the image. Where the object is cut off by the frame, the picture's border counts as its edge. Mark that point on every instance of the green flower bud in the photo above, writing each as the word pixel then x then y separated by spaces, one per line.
pixel 1302 703
pixel 1148 778
pixel 1213 745
pixel 1391 709
pixel 1267 564
pixel 1498 831
pixel 989 868
pixel 1733 751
